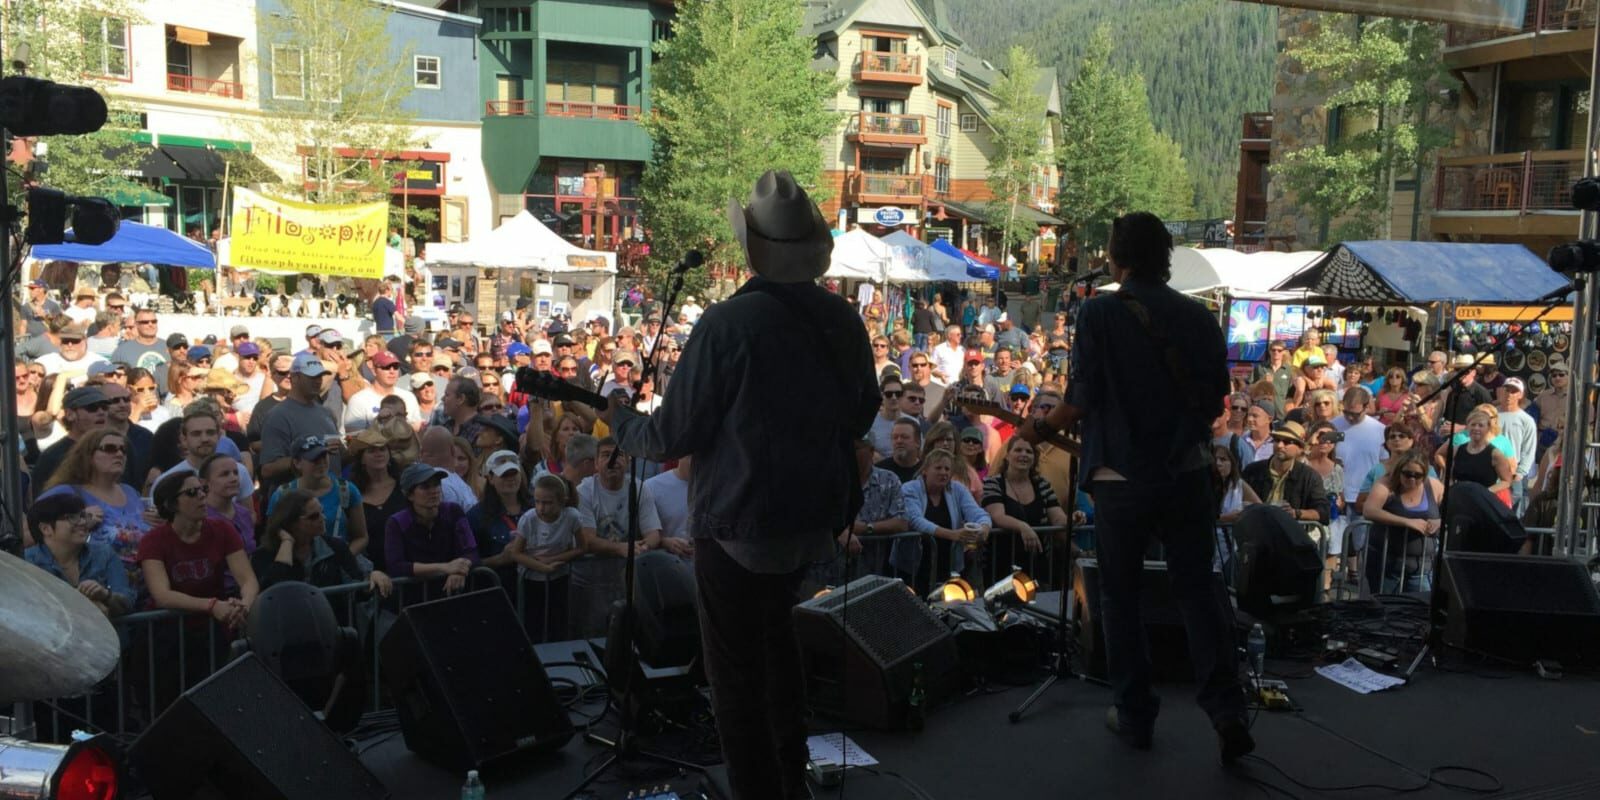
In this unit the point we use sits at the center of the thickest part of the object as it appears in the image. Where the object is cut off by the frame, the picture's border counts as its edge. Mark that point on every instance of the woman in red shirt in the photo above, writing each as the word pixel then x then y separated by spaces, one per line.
pixel 184 560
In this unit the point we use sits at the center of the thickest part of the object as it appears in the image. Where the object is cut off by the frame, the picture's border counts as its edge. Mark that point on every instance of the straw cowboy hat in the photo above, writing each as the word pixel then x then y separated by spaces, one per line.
pixel 784 235
pixel 222 379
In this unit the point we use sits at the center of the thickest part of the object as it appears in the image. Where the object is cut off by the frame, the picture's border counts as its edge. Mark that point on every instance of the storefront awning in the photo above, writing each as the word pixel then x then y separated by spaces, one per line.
pixel 142 162
pixel 200 163
pixel 132 196
pixel 970 212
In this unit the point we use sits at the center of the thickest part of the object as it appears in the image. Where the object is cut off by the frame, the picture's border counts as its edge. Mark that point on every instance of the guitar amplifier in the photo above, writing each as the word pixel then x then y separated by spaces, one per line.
pixel 860 663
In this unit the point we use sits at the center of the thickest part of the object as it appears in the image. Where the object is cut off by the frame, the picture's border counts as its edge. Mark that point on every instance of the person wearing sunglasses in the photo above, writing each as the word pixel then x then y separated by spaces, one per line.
pixel 92 471
pixel 83 409
pixel 186 560
pixel 892 389
pixel 61 525
pixel 362 407
pixel 73 359
pixel 1404 511
pixel 295 546
pixel 932 391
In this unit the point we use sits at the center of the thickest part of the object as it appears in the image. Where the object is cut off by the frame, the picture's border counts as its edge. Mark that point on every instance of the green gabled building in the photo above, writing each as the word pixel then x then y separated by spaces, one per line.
pixel 564 84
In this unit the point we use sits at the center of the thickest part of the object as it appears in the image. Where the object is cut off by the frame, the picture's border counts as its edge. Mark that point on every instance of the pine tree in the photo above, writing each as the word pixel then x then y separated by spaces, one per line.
pixel 734 96
pixel 1384 72
pixel 1109 154
pixel 1018 123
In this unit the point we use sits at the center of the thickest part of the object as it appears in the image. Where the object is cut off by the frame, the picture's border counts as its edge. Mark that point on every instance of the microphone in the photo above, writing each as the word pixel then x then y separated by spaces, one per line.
pixel 690 260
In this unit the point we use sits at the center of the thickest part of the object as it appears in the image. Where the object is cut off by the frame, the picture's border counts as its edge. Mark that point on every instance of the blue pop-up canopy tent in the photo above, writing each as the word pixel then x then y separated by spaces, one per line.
pixel 1427 272
pixel 133 242
pixel 975 268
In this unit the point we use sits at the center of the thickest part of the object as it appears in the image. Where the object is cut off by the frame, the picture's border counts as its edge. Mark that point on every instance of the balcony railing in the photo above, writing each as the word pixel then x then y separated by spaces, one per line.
pixel 888 67
pixel 590 110
pixel 1508 182
pixel 194 85
pixel 890 128
pixel 889 187
pixel 1541 16
pixel 1257 126
pixel 508 108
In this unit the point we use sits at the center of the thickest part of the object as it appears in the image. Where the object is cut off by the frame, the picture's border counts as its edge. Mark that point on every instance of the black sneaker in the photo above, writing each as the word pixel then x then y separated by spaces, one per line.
pixel 1139 738
pixel 1233 736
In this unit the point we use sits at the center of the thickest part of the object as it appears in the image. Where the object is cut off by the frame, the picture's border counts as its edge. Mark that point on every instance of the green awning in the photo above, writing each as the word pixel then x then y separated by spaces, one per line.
pixel 131 196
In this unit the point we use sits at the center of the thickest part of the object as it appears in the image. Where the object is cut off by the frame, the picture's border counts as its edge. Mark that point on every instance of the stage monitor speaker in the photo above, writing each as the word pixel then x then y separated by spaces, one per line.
pixel 861 661
pixel 1277 566
pixel 244 734
pixel 467 685
pixel 1522 608
pixel 1164 632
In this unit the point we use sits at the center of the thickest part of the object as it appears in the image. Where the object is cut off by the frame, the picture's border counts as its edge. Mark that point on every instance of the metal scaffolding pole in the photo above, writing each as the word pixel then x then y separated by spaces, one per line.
pixel 1578 439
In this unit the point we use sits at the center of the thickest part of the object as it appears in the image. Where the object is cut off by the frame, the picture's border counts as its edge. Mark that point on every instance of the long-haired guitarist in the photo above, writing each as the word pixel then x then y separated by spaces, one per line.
pixel 1148 375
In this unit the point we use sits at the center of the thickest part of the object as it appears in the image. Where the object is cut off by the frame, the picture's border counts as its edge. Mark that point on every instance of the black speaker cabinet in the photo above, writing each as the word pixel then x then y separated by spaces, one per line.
pixel 861 660
pixel 1522 608
pixel 1164 632
pixel 466 683
pixel 243 734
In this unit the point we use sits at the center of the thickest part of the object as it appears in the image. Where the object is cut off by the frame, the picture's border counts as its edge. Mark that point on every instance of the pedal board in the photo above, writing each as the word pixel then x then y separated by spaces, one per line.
pixel 1274 695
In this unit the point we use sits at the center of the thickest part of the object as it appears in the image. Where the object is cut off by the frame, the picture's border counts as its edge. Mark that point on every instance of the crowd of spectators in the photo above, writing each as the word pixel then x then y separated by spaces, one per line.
pixel 165 473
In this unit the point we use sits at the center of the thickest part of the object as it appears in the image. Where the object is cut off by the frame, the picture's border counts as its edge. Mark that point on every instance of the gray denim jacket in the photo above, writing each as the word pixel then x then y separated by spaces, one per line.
pixel 757 400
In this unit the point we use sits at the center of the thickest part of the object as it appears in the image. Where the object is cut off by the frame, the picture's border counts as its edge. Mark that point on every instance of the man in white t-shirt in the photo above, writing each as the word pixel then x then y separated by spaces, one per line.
pixel 1361 449
pixel 73 361
pixel 362 407
pixel 249 372
pixel 948 355
pixel 670 492
pixel 597 578
pixel 83 309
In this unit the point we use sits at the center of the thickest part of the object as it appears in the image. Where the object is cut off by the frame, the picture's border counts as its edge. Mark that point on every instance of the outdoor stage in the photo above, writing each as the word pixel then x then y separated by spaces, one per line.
pixel 1540 738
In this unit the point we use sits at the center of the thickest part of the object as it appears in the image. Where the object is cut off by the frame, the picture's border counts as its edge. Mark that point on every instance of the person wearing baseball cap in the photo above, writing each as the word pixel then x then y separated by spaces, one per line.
pixel 1519 427
pixel 429 538
pixel 361 410
pixel 39 306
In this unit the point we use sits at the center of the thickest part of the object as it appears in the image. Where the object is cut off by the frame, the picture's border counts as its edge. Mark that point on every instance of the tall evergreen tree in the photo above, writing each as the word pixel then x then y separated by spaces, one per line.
pixel 1385 73
pixel 1112 160
pixel 734 96
pixel 1018 121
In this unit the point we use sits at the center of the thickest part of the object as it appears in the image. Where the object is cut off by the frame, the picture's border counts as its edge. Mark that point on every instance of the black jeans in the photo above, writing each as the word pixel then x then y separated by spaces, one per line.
pixel 753 664
pixel 1182 515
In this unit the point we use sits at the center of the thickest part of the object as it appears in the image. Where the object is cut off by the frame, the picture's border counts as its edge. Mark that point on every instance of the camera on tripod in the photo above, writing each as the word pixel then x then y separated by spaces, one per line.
pixel 1581 257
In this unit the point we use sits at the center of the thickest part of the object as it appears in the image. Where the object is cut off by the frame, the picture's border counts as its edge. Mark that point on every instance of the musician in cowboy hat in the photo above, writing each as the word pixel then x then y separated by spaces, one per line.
pixel 774 478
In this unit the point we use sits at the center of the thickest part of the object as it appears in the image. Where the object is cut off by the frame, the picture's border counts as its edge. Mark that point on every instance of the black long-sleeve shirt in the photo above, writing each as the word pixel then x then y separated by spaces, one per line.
pixel 1302 486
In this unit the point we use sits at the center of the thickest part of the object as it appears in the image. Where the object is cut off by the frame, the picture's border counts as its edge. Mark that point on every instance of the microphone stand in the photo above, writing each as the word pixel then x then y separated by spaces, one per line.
pixel 1066 630
pixel 626 746
pixel 1433 640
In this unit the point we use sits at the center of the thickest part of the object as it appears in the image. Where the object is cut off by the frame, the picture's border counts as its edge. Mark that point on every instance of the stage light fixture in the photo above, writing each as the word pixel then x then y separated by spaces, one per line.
pixel 1017 587
pixel 35 107
pixel 955 590
pixel 94 220
pixel 84 770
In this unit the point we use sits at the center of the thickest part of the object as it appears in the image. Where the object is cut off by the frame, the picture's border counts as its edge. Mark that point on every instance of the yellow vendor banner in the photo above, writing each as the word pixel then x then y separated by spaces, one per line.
pixel 269 233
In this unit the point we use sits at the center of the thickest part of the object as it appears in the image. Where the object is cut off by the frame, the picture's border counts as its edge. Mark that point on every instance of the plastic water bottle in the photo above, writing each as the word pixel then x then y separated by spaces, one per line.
pixel 1256 648
pixel 473 788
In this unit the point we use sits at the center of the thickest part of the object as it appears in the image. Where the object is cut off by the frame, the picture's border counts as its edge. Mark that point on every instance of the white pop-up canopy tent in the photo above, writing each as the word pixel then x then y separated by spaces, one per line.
pixel 584 280
pixel 1253 274
pixel 916 256
pixel 896 258
pixel 1208 270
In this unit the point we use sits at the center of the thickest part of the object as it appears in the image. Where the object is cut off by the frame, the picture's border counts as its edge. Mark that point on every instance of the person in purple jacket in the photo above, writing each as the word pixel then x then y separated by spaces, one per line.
pixel 429 537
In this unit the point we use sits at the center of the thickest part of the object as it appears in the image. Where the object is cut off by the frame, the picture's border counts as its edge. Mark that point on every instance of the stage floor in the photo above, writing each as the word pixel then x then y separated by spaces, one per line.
pixel 1537 737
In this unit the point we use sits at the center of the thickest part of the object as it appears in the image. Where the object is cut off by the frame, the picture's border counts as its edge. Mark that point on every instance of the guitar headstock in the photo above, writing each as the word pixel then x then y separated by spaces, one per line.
pixel 551 387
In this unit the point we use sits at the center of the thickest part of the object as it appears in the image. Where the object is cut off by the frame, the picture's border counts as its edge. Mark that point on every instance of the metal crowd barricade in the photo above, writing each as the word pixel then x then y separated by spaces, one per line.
pixel 157 643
